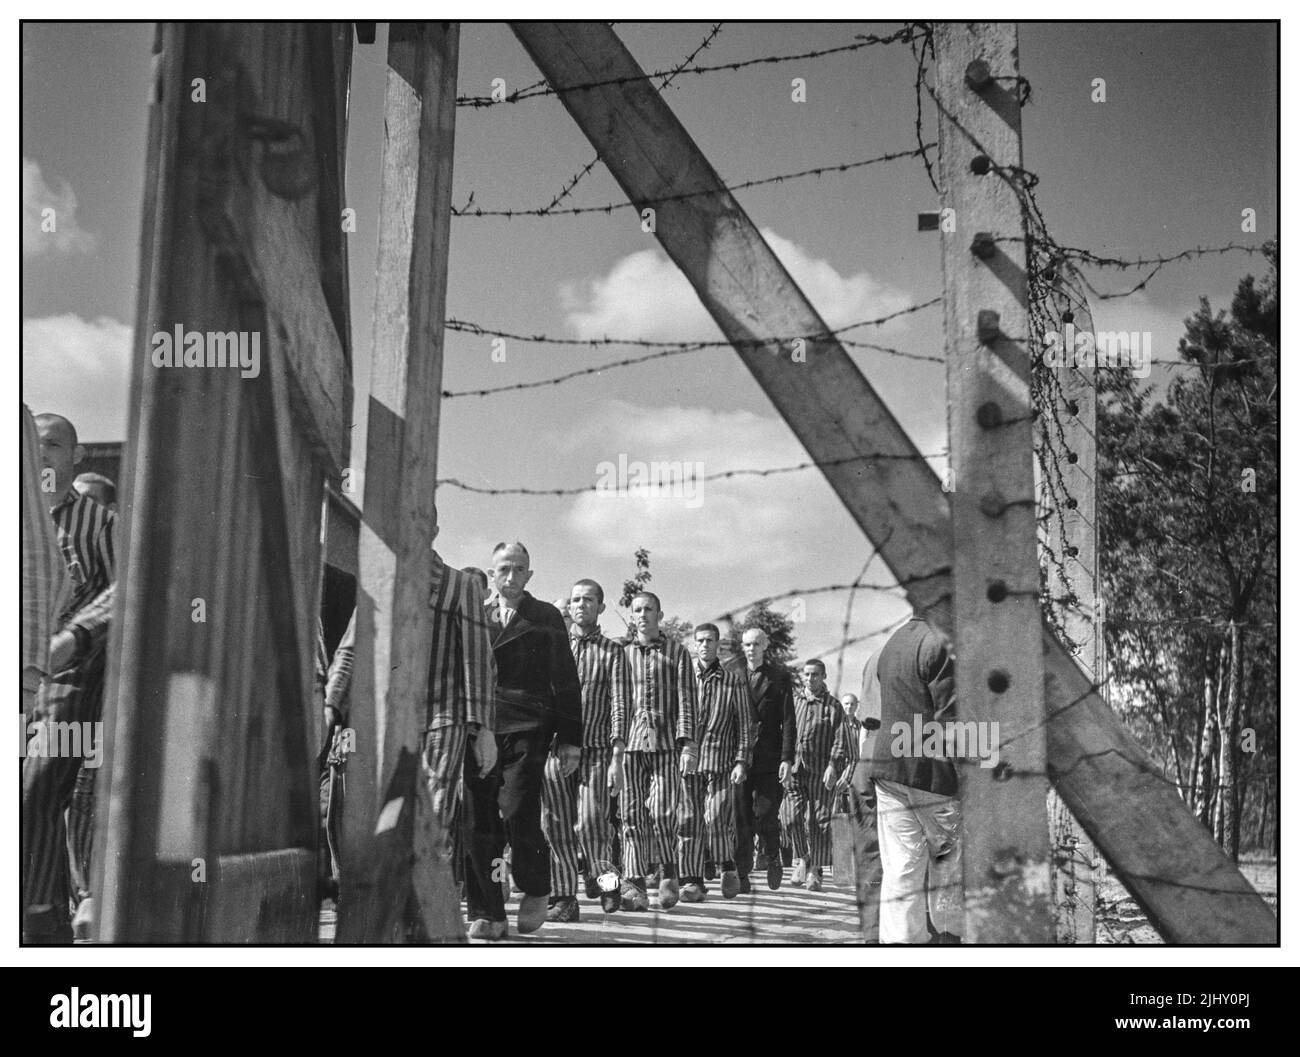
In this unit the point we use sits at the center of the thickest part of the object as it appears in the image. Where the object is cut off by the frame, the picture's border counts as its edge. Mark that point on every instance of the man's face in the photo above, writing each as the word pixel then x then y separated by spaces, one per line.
pixel 850 704
pixel 510 574
pixel 584 606
pixel 814 679
pixel 645 615
pixel 753 646
pixel 706 644
pixel 58 452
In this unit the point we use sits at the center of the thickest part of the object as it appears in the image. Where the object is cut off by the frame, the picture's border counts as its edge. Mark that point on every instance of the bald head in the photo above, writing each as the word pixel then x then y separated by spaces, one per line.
pixel 850 703
pixel 753 644
pixel 60 451
pixel 511 571
pixel 49 422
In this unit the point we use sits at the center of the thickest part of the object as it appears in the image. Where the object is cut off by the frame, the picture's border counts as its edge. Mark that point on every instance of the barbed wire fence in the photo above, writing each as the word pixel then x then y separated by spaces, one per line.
pixel 1058 285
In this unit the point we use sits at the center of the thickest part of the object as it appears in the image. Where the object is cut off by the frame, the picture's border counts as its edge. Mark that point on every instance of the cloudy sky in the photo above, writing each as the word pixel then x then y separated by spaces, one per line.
pixel 1184 141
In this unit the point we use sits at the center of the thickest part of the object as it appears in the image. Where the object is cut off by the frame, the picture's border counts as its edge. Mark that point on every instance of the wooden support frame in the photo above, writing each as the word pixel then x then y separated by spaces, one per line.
pixel 391 874
pixel 1192 892
pixel 210 831
pixel 998 627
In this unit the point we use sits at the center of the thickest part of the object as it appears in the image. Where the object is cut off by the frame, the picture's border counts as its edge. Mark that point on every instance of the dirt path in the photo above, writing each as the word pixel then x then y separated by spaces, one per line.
pixel 1120 921
pixel 789 915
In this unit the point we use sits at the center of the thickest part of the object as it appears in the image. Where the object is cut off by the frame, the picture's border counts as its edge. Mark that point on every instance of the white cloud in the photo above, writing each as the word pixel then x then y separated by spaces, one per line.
pixel 704 524
pixel 1136 312
pixel 81 369
pixel 38 196
pixel 747 538
pixel 646 296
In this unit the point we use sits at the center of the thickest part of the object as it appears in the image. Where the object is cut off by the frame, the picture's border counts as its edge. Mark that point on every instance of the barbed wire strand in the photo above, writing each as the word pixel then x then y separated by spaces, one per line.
pixel 650 490
pixel 543 339
pixel 469 210
pixel 542 88
pixel 571 184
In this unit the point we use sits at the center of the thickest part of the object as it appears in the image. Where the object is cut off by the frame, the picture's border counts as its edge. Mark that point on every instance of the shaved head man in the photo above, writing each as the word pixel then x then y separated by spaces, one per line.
pixel 73 693
pixel 576 809
pixel 661 742
pixel 538 699
pixel 60 452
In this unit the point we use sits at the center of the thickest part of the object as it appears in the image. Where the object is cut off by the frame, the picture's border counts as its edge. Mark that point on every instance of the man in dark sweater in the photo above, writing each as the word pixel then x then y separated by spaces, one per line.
pixel 918 815
pixel 538 698
pixel 758 800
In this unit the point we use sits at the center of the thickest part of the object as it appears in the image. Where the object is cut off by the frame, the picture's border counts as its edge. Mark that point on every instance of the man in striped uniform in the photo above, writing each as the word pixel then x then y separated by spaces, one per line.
pixel 74 693
pixel 852 739
pixel 576 809
pixel 724 722
pixel 460 715
pixel 821 758
pixel 661 742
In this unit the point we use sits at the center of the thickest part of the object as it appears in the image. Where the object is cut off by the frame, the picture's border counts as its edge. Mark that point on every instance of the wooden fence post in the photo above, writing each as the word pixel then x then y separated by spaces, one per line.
pixel 389 872
pixel 1191 890
pixel 997 623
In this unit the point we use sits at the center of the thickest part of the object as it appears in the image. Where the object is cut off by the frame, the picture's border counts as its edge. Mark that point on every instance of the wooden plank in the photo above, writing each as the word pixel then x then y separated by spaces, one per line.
pixel 111 873
pixel 1191 890
pixel 1005 849
pixel 224 506
pixel 265 897
pixel 394 623
pixel 341 533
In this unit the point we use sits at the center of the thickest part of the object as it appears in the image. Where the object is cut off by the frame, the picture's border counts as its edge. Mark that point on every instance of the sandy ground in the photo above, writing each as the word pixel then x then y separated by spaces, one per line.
pixel 789 915
pixel 1120 921
pixel 793 915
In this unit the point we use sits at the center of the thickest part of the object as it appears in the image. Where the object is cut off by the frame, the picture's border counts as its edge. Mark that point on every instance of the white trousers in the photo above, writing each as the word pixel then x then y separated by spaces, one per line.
pixel 920 856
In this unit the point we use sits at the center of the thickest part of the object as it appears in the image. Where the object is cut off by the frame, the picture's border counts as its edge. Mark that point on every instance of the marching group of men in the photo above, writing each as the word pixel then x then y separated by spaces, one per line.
pixel 634 768
pixel 639 771
pixel 629 766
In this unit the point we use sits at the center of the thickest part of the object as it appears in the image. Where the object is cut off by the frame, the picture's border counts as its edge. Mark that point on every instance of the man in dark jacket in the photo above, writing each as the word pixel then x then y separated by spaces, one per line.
pixel 918 815
pixel 538 698
pixel 759 800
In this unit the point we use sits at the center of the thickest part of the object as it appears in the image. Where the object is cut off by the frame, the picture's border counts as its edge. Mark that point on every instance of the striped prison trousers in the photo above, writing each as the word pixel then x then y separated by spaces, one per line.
pixel 811 804
pixel 53 785
pixel 575 817
pixel 706 823
pixel 785 817
pixel 649 802
pixel 443 760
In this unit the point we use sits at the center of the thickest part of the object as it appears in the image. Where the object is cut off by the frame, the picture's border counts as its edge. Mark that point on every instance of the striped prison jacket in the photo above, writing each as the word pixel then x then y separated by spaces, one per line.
pixel 462 669
pixel 724 719
pixel 822 736
pixel 606 688
pixel 45 574
pixel 84 530
pixel 663 695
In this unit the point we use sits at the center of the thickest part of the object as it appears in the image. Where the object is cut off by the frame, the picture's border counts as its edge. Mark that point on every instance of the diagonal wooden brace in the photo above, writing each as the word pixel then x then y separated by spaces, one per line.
pixel 1191 891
